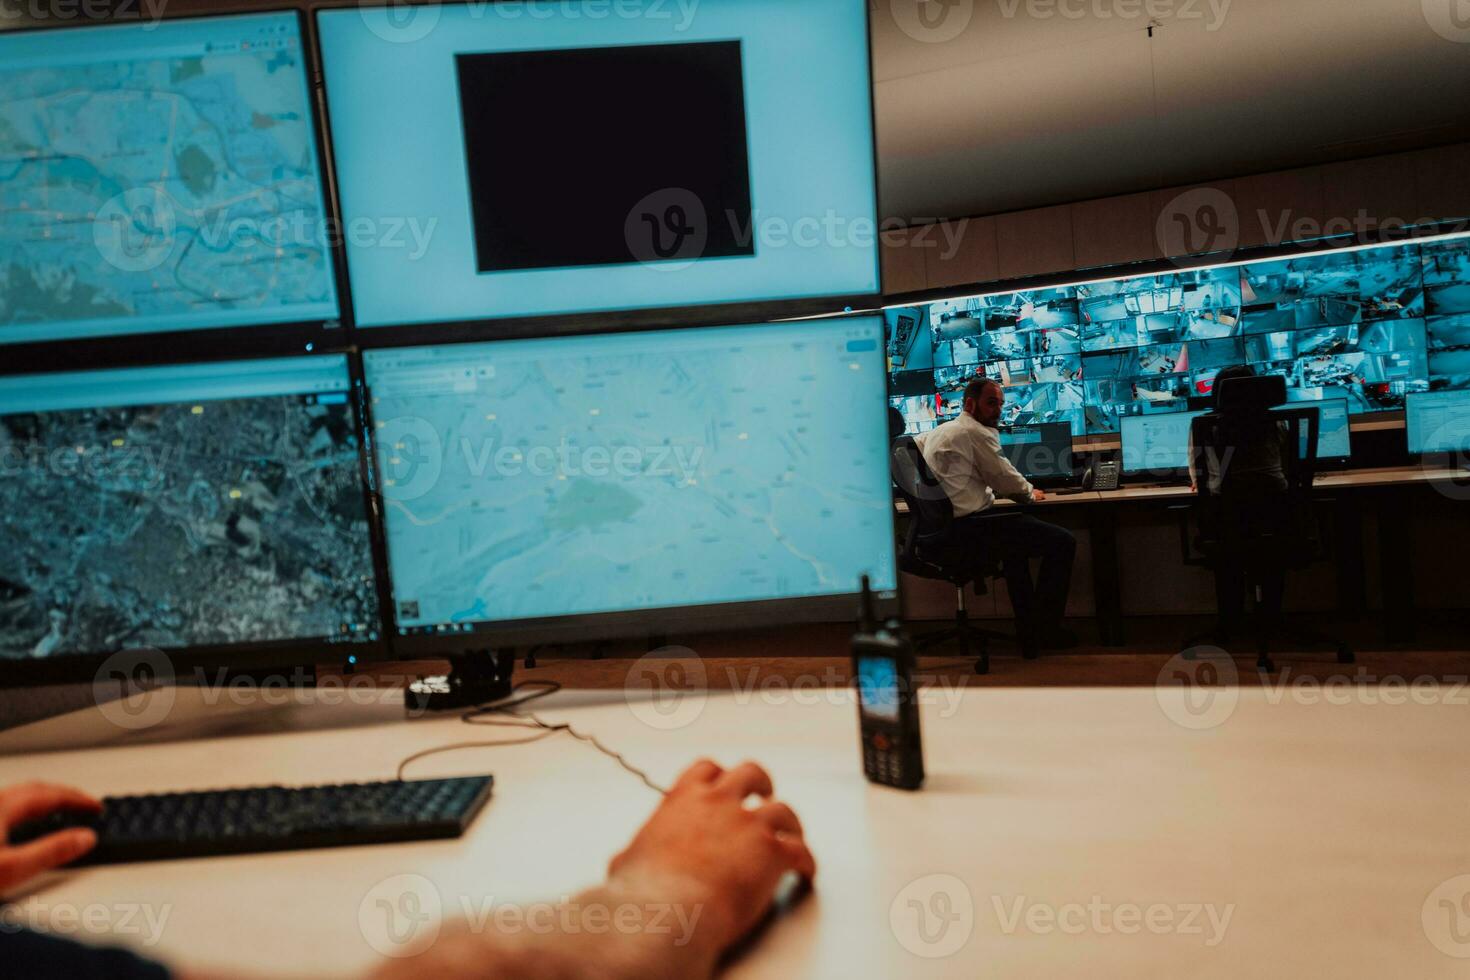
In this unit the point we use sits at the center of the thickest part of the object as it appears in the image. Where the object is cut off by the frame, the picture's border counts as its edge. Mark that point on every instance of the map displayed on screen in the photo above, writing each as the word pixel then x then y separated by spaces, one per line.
pixel 610 473
pixel 159 178
pixel 171 523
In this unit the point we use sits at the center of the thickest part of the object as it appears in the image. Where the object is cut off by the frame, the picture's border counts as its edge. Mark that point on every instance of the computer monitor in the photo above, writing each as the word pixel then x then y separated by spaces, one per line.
pixel 1157 444
pixel 214 512
pixel 569 160
pixel 1438 422
pixel 160 176
pixel 1042 453
pixel 622 484
pixel 1334 429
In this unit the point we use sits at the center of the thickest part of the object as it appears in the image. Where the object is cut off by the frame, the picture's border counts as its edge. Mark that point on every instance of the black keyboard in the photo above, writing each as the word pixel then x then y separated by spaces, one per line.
pixel 270 818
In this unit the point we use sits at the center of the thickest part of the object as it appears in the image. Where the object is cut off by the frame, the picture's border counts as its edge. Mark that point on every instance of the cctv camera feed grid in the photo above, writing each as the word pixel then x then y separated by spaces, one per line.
pixel 1370 326
pixel 195 506
pixel 159 177
pixel 550 159
pixel 598 474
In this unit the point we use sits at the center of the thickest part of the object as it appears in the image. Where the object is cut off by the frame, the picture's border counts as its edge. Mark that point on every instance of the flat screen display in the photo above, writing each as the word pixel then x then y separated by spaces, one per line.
pixel 1157 443
pixel 1039 452
pixel 554 159
pixel 1334 429
pixel 160 177
pixel 574 476
pixel 196 506
pixel 1439 422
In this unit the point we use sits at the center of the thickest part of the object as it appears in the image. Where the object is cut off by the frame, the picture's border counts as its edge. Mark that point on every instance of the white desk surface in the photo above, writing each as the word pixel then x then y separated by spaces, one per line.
pixel 1326 827
pixel 1345 479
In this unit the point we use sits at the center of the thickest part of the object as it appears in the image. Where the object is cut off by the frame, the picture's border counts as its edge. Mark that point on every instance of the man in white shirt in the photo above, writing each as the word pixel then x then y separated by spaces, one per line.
pixel 964 455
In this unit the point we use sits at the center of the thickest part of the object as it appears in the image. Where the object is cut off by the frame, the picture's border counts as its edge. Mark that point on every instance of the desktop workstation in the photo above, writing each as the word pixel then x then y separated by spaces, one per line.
pixel 354 361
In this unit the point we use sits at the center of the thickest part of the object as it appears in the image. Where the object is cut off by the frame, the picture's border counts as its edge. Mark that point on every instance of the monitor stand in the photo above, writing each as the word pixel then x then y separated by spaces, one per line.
pixel 475 677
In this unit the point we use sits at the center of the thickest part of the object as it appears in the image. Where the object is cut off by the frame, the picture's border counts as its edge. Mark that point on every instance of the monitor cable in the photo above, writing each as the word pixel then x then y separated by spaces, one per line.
pixel 509 717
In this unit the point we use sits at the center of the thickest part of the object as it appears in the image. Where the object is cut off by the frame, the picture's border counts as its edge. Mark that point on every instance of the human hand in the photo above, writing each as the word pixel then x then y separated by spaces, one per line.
pixel 1037 496
pixel 702 845
pixel 31 801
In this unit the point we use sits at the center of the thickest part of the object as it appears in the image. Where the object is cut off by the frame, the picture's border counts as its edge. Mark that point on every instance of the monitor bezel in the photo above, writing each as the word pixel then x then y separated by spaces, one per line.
pixel 209 343
pixel 524 326
pixel 653 622
pixel 270 654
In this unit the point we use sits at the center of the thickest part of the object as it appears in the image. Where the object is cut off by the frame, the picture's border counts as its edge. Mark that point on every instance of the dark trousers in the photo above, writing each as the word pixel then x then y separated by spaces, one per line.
pixel 1039 602
pixel 1248 540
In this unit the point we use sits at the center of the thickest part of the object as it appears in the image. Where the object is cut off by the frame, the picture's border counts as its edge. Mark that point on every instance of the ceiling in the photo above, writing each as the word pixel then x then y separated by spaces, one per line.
pixel 1025 106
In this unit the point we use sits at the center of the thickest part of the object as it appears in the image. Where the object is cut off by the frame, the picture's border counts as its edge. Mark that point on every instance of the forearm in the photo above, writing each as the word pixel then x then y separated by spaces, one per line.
pixel 1007 483
pixel 614 931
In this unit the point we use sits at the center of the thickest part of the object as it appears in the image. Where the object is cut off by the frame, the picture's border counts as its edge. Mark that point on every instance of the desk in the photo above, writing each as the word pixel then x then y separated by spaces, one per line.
pixel 1326 827
pixel 1384 488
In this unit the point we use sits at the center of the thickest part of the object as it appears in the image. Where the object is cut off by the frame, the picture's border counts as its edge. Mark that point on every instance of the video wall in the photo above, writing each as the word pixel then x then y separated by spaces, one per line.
pixel 167 231
pixel 1370 325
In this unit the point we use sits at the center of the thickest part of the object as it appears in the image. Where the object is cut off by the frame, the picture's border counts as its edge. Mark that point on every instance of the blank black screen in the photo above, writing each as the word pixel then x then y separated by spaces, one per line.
pixel 562 146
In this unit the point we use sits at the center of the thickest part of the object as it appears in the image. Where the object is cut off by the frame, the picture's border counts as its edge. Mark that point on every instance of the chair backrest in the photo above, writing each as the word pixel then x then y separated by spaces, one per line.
pixel 1239 396
pixel 929 506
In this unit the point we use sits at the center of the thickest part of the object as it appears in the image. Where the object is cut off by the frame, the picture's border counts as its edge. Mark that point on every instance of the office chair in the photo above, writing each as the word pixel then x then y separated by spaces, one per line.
pixel 1241 525
pixel 929 552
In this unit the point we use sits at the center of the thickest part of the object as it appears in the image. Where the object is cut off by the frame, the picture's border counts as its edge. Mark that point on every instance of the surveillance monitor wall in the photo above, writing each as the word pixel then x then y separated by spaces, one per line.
pixel 1369 326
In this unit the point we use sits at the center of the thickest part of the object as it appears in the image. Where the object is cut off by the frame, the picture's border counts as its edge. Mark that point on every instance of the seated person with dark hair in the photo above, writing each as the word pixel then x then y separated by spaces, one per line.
pixel 1253 474
pixel 703 849
pixel 964 455
pixel 897 425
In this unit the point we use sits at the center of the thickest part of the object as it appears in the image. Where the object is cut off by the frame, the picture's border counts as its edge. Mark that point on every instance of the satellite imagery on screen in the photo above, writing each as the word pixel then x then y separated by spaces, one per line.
pixel 178 525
